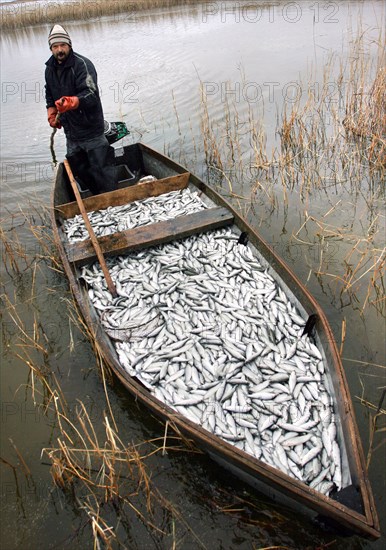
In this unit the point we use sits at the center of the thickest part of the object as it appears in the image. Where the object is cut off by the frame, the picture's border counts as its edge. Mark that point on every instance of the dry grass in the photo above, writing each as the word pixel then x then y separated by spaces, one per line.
pixel 19 257
pixel 365 120
pixel 108 475
pixel 377 424
pixel 19 15
pixel 363 264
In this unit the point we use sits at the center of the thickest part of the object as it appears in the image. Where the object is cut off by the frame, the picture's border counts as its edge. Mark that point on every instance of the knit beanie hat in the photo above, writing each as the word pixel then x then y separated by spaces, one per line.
pixel 58 35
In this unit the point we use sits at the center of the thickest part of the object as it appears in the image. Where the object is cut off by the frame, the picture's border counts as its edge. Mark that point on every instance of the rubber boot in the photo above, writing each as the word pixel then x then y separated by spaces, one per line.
pixel 81 169
pixel 102 168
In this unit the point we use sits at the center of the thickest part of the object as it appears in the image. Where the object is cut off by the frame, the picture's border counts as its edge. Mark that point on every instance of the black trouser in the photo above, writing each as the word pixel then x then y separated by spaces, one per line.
pixel 92 163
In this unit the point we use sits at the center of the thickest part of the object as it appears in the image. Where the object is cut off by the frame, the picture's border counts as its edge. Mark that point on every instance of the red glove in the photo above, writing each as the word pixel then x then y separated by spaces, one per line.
pixel 67 103
pixel 53 119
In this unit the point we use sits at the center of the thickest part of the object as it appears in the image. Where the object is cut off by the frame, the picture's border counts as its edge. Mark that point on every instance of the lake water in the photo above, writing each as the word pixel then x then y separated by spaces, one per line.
pixel 151 68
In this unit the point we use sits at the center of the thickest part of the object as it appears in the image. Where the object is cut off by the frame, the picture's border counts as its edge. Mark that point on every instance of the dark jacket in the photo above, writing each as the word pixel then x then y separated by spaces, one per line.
pixel 77 76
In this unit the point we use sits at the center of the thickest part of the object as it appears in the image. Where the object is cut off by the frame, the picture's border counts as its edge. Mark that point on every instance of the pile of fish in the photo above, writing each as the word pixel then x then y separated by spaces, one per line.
pixel 137 213
pixel 203 324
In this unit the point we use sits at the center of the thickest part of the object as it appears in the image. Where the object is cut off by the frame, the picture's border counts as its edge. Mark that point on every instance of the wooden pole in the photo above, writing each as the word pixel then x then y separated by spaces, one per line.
pixel 90 230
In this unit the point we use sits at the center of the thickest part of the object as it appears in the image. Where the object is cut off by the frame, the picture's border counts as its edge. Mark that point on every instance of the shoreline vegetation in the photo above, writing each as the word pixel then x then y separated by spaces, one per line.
pixel 17 15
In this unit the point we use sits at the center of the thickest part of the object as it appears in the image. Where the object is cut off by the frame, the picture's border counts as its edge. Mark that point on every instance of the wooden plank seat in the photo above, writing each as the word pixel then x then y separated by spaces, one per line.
pixel 150 235
pixel 125 195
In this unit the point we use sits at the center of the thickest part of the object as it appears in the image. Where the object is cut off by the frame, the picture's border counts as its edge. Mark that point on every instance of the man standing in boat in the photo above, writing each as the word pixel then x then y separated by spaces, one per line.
pixel 72 100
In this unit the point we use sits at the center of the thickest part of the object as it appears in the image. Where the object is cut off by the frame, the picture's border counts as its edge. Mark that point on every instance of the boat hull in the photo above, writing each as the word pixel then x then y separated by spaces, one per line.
pixel 357 514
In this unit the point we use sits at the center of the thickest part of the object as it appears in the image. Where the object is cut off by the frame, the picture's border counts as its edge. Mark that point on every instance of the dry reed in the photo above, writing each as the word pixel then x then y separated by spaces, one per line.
pixel 376 426
pixel 16 16
pixel 19 257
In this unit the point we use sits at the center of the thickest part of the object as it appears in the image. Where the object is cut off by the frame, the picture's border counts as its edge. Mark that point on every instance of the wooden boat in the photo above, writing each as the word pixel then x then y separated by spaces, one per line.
pixel 352 508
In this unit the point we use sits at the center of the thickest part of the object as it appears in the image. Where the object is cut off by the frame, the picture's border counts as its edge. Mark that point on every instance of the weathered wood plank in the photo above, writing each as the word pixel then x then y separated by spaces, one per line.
pixel 150 235
pixel 125 195
pixel 93 239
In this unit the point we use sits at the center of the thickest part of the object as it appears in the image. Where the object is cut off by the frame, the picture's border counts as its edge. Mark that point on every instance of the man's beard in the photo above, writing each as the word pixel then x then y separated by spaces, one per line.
pixel 61 56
